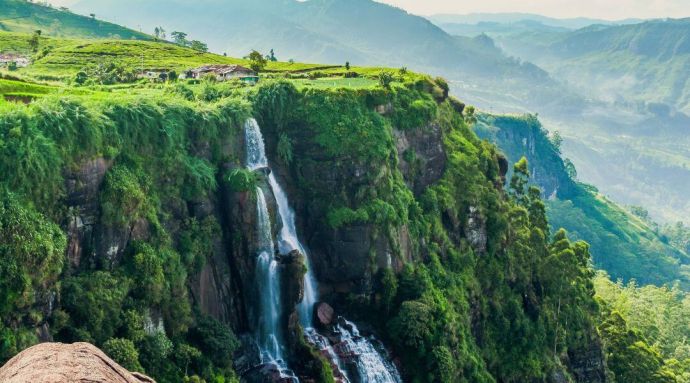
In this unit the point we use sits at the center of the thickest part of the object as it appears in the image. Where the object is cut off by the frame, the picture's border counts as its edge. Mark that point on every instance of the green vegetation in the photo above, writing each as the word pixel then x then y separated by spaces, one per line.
pixel 25 16
pixel 475 288
pixel 647 330
pixel 151 147
pixel 624 245
pixel 522 293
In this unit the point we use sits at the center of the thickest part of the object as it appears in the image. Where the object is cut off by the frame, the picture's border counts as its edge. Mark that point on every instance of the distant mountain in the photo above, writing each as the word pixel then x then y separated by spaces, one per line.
pixel 513 18
pixel 499 29
pixel 628 133
pixel 624 245
pixel 647 62
pixel 24 16
pixel 362 32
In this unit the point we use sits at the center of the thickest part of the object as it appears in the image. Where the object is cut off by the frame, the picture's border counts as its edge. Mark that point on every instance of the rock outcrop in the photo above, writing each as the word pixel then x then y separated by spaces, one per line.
pixel 66 363
pixel 421 156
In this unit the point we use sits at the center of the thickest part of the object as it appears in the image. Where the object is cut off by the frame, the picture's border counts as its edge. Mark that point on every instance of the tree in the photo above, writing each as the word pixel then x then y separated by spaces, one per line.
pixel 518 183
pixel 81 77
pixel 468 112
pixel 347 65
pixel 215 340
pixel 570 169
pixel 257 61
pixel 159 32
pixel 123 352
pixel 34 41
pixel 272 56
pixel 180 38
pixel 93 16
pixel 198 46
pixel 385 79
pixel 187 354
pixel 557 140
pixel 31 255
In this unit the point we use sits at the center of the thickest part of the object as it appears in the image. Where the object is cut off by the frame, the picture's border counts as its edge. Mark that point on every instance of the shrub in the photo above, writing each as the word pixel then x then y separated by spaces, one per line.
pixel 31 256
pixel 124 353
pixel 412 326
pixel 215 339
pixel 181 90
pixel 340 217
pixel 242 180
pixel 285 149
pixel 385 79
pixel 94 302
pixel 124 199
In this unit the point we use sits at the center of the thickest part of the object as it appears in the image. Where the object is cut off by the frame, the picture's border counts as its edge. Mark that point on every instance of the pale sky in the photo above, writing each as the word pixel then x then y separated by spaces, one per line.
pixel 601 9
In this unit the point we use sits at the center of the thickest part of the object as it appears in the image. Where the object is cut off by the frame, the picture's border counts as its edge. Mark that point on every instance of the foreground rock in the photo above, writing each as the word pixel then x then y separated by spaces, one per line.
pixel 66 363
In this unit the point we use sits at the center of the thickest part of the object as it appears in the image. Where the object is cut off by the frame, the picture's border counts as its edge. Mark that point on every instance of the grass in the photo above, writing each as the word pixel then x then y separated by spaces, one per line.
pixel 23 16
pixel 61 58
pixel 337 82
pixel 64 57
pixel 11 86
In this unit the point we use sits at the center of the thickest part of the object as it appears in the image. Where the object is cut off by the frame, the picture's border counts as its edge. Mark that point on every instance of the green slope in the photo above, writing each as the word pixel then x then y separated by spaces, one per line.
pixel 621 243
pixel 23 16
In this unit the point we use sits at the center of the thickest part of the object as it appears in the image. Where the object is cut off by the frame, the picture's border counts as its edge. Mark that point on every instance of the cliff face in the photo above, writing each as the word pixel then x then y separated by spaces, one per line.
pixel 621 244
pixel 519 136
pixel 408 227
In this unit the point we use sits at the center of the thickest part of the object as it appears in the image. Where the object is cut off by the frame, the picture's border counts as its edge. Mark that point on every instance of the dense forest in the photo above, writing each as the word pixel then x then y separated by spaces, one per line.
pixel 129 216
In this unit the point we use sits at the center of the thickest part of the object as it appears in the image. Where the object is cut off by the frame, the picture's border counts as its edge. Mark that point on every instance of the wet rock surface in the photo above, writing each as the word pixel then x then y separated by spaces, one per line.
pixel 83 186
pixel 353 357
pixel 324 314
pixel 66 363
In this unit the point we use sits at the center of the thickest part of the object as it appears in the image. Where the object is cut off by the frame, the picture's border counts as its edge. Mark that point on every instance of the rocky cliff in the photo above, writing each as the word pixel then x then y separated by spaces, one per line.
pixel 151 221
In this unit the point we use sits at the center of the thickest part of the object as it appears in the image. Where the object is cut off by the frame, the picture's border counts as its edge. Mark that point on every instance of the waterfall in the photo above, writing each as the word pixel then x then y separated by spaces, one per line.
pixel 256 151
pixel 287 242
pixel 369 365
pixel 269 334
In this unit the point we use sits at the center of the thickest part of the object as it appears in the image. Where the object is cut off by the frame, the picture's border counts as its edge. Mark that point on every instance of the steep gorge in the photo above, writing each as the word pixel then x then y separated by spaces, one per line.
pixel 409 232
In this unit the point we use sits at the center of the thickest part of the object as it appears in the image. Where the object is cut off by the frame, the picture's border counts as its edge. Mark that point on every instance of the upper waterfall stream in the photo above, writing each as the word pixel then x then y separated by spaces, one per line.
pixel 354 357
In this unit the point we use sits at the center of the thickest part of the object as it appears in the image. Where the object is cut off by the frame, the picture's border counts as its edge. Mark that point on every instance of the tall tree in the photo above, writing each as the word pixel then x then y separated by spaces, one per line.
pixel 257 61
pixel 179 38
pixel 198 46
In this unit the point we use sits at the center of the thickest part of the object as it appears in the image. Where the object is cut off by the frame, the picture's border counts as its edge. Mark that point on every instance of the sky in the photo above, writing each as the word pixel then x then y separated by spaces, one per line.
pixel 600 9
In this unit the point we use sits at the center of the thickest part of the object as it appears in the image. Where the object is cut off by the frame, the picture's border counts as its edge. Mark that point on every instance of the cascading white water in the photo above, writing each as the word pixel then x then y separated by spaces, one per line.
pixel 287 242
pixel 269 334
pixel 256 151
pixel 371 367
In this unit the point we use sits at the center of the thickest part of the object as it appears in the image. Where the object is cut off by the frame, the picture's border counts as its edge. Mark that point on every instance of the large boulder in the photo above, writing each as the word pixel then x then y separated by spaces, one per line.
pixel 66 363
pixel 324 314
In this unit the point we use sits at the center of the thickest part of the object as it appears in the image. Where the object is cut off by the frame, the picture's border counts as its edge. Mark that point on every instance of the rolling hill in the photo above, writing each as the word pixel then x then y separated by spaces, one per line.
pixel 362 32
pixel 24 16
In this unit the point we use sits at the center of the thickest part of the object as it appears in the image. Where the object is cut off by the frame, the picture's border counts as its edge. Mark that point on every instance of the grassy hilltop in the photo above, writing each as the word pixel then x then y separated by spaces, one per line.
pixel 23 16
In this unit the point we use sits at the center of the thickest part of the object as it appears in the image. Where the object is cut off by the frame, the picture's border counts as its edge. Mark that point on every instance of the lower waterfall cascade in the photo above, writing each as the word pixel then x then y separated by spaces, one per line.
pixel 353 357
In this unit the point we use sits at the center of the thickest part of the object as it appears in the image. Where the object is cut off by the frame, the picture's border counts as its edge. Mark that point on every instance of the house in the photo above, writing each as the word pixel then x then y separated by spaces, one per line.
pixel 154 74
pixel 224 73
pixel 19 60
